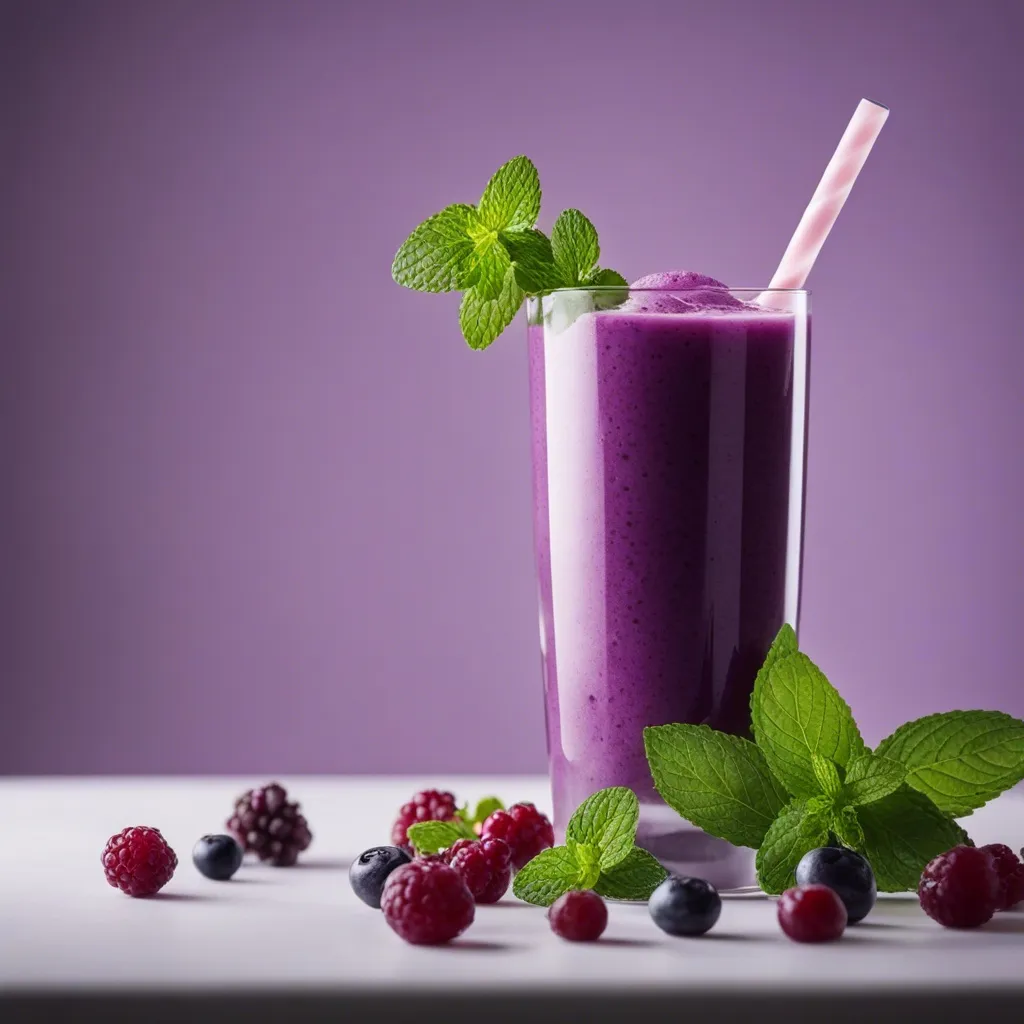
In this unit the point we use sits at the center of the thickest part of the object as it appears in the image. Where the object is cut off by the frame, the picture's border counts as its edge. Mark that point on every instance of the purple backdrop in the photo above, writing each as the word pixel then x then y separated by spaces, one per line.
pixel 262 510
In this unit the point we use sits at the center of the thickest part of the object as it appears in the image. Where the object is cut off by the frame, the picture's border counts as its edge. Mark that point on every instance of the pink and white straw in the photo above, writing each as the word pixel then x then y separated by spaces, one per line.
pixel 828 198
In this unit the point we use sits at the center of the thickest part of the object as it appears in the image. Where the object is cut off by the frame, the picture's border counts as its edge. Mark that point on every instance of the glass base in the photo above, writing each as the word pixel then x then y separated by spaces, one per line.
pixel 686 850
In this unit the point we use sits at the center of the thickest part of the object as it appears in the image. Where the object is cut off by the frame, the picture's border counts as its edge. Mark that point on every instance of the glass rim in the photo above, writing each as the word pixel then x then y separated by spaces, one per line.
pixel 676 291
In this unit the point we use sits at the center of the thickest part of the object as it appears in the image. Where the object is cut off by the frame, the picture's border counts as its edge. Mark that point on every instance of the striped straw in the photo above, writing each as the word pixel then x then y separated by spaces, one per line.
pixel 828 198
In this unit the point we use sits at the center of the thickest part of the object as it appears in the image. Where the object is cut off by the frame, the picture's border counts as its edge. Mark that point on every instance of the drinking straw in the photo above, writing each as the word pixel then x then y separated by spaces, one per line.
pixel 828 199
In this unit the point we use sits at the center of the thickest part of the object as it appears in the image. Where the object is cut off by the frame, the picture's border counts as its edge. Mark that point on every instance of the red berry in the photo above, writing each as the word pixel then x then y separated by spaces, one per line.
pixel 1007 866
pixel 486 867
pixel 960 888
pixel 427 903
pixel 579 916
pixel 138 861
pixel 1015 890
pixel 524 828
pixel 812 913
pixel 429 805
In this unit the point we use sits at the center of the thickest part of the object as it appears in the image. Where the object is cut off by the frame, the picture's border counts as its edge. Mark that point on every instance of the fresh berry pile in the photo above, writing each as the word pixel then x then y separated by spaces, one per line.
pixel 428 885
pixel 267 824
pixel 138 861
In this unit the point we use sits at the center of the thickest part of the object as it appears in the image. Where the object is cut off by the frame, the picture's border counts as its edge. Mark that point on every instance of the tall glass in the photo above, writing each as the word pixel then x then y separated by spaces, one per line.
pixel 668 437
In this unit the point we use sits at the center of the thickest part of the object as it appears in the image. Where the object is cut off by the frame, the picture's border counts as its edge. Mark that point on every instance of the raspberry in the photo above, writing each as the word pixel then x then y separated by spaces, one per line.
pixel 1007 866
pixel 960 888
pixel 812 913
pixel 579 916
pixel 430 805
pixel 427 903
pixel 524 828
pixel 138 861
pixel 265 823
pixel 486 867
pixel 1015 893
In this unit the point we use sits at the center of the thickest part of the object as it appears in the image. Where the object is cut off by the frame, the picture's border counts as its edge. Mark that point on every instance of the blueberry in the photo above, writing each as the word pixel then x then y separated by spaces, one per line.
pixel 370 871
pixel 844 871
pixel 685 906
pixel 217 857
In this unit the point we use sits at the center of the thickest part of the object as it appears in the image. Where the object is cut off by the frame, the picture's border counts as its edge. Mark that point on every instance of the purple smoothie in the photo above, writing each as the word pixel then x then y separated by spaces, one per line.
pixel 668 489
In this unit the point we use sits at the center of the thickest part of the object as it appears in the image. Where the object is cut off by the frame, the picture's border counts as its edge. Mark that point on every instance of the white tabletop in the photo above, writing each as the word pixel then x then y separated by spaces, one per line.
pixel 300 933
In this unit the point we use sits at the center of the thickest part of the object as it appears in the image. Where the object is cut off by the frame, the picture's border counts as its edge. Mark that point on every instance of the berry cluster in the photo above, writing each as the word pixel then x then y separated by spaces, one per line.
pixel 965 886
pixel 139 861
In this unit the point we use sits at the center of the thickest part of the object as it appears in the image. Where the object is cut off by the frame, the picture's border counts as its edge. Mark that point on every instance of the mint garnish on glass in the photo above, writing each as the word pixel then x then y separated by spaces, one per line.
pixel 494 254
pixel 599 854
pixel 810 777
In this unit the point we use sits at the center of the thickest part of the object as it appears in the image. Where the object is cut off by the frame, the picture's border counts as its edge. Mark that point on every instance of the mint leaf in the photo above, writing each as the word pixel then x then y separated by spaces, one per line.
pixel 589 860
pixel 494 263
pixel 788 839
pixel 827 774
pixel 870 777
pixel 603 278
pixel 542 880
pixel 606 821
pixel 633 878
pixel 433 836
pixel 482 319
pixel 720 783
pixel 797 712
pixel 783 645
pixel 575 247
pixel 485 808
pixel 533 260
pixel 846 825
pixel 618 287
pixel 960 759
pixel 818 813
pixel 902 833
pixel 512 196
pixel 438 255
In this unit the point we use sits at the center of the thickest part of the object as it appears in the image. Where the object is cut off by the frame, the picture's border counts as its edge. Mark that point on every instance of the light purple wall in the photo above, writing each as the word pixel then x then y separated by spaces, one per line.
pixel 263 511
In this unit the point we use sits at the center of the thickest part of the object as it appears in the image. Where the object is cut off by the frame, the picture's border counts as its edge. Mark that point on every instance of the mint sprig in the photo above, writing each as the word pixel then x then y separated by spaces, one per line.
pixel 599 854
pixel 494 254
pixel 810 778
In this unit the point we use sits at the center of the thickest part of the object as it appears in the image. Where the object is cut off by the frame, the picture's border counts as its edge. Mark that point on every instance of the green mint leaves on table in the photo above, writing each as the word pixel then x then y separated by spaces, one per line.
pixel 810 780
pixel 434 836
pixel 599 854
pixel 494 254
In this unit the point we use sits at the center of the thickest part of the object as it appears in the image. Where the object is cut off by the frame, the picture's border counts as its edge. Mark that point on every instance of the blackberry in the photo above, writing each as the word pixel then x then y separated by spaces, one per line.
pixel 265 823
